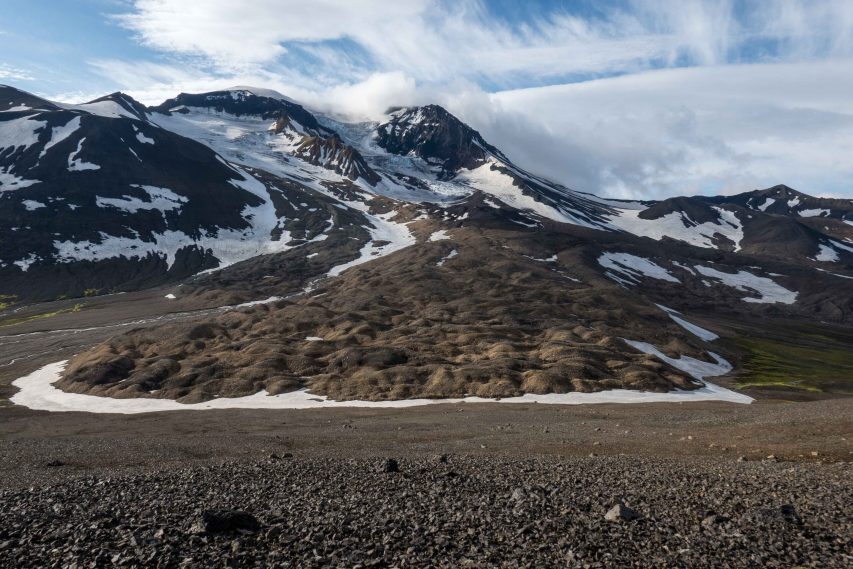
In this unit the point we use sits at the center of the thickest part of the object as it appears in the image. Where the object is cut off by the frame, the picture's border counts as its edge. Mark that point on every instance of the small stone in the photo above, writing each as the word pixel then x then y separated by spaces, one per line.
pixel 518 495
pixel 226 521
pixel 815 453
pixel 389 465
pixel 443 458
pixel 712 520
pixel 741 459
pixel 620 512
pixel 55 463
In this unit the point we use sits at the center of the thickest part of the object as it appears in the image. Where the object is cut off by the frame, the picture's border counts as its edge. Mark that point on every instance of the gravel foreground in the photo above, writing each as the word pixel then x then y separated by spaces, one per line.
pixel 442 511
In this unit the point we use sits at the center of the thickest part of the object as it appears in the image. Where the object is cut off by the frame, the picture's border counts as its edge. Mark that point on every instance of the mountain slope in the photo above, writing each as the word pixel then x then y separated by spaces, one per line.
pixel 96 196
pixel 429 264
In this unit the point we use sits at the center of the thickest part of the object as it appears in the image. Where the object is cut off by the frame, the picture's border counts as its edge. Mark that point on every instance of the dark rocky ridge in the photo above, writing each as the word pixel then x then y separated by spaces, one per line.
pixel 315 143
pixel 436 136
pixel 65 206
pixel 244 102
pixel 11 97
pixel 333 154
pixel 126 102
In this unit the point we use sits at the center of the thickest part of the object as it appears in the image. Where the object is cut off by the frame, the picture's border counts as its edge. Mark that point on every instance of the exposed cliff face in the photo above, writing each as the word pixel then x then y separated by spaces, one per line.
pixel 436 136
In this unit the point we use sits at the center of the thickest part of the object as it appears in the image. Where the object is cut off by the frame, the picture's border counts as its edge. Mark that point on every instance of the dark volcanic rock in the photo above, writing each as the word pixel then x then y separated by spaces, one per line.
pixel 435 135
pixel 342 513
pixel 226 521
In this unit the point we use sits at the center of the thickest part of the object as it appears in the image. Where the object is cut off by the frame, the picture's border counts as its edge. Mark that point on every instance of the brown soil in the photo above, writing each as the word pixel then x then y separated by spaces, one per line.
pixel 403 327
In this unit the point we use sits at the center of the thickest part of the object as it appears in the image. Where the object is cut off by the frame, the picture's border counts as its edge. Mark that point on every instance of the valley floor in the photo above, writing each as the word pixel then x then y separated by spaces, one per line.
pixel 520 485
pixel 524 485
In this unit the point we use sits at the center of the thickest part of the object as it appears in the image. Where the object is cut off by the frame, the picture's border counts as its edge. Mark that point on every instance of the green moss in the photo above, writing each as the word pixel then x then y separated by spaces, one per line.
pixel 40 316
pixel 91 291
pixel 811 363
pixel 7 300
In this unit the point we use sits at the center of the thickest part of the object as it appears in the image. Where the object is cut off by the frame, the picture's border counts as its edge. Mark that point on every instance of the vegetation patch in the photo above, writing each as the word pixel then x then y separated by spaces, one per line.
pixel 814 363
pixel 41 315
pixel 7 300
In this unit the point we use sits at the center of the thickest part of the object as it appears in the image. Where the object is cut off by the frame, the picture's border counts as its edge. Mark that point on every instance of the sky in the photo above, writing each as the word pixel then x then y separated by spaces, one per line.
pixel 624 98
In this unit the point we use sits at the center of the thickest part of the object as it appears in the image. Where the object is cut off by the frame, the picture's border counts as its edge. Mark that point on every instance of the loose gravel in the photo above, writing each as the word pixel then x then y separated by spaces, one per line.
pixel 441 511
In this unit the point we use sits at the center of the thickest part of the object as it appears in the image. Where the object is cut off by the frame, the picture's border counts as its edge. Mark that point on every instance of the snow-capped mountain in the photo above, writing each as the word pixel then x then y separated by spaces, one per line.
pixel 206 180
pixel 95 197
pixel 474 276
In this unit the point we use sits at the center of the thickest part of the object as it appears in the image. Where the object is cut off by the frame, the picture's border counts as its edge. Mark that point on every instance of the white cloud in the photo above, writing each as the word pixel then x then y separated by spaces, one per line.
pixel 719 129
pixel 437 40
pixel 707 124
pixel 13 73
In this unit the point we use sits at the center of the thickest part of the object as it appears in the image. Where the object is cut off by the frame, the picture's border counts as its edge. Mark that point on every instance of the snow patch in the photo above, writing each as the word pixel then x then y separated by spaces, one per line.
pixel 489 179
pixel 78 165
pixel 697 331
pixel 25 263
pixel 699 370
pixel 623 267
pixel 60 133
pixel 767 203
pixel 439 235
pixel 769 291
pixel 397 236
pixel 32 205
pixel 9 181
pixel 20 132
pixel 826 254
pixel 447 258
pixel 678 225
pixel 37 391
pixel 813 212
pixel 162 199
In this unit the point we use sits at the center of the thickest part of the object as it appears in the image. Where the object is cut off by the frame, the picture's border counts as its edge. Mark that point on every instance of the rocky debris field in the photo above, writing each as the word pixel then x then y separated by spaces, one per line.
pixel 290 510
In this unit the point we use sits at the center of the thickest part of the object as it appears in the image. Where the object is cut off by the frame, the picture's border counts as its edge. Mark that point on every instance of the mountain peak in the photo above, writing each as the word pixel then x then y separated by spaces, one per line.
pixel 14 99
pixel 261 92
pixel 124 101
pixel 435 135
pixel 780 191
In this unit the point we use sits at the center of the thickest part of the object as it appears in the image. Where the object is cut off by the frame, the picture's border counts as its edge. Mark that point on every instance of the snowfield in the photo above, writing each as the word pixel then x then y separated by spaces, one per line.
pixel 397 235
pixel 678 225
pixel 36 391
pixel 767 289
pixel 162 199
pixel 228 245
pixel 626 269
pixel 697 331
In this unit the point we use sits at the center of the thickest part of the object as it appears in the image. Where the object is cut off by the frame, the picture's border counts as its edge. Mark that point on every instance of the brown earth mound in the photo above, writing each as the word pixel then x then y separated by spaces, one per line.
pixel 409 325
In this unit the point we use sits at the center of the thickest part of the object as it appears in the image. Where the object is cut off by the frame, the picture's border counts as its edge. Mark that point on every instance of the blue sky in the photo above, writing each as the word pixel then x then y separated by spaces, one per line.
pixel 629 98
